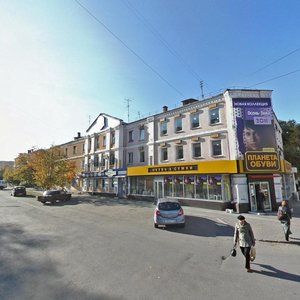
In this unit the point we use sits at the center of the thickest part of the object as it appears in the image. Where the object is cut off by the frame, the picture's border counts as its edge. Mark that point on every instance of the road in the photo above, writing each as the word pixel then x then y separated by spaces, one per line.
pixel 96 248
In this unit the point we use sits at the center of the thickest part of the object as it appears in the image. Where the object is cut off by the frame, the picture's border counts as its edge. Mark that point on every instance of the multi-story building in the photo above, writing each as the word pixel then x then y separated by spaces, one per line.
pixel 210 153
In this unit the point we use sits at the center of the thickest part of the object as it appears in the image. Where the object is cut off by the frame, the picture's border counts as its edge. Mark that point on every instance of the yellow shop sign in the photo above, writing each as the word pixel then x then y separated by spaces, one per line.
pixel 261 161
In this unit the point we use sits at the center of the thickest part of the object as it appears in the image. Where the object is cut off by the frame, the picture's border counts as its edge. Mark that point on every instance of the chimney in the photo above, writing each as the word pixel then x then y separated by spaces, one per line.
pixel 165 108
pixel 78 136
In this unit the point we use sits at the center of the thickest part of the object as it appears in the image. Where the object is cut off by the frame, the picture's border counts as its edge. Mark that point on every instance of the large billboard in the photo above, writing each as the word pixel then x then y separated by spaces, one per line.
pixel 255 124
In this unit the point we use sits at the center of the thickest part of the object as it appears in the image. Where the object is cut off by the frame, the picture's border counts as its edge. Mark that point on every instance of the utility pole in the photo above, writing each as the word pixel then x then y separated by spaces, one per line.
pixel 201 86
pixel 128 105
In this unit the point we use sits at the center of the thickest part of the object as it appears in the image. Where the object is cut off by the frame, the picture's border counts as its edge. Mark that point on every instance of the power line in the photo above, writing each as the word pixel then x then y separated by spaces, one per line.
pixel 131 50
pixel 274 62
pixel 292 72
pixel 163 41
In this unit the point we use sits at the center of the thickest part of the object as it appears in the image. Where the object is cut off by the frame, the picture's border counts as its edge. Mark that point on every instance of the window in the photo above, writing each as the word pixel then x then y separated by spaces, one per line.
pixel 130 136
pixel 164 154
pixel 179 152
pixel 97 143
pixel 113 137
pixel 83 148
pixel 178 124
pixel 74 149
pixel 130 157
pixel 196 150
pixel 216 147
pixel 104 141
pixel 163 128
pixel 66 152
pixel 142 155
pixel 96 161
pixel 214 115
pixel 102 161
pixel 112 158
pixel 142 133
pixel 195 120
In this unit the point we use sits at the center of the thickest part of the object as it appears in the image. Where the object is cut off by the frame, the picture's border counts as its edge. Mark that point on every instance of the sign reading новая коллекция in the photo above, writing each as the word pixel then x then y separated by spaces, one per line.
pixel 262 161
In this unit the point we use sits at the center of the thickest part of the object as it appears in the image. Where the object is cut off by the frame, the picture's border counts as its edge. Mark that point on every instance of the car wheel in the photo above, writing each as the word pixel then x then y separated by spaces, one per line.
pixel 155 225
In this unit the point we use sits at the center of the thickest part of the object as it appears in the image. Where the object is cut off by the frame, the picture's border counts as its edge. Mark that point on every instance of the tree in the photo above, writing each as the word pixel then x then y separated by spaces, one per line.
pixel 51 169
pixel 23 171
pixel 10 175
pixel 291 142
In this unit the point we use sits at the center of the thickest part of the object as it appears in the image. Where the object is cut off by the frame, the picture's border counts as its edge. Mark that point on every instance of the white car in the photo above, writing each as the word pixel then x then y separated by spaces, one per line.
pixel 168 212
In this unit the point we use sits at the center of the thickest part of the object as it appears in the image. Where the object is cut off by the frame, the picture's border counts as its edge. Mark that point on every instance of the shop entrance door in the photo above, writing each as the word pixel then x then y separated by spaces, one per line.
pixel 158 188
pixel 255 188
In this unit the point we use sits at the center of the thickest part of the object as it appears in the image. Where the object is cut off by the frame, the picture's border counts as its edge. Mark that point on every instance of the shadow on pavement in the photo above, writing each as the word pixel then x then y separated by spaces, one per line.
pixel 276 273
pixel 97 201
pixel 293 242
pixel 203 227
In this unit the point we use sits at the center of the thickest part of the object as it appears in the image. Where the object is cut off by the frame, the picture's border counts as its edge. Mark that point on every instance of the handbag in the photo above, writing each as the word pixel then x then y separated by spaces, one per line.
pixel 233 252
pixel 252 253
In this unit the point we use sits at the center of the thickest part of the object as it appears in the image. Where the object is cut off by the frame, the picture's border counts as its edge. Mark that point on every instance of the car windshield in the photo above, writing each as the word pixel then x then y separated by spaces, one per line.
pixel 168 206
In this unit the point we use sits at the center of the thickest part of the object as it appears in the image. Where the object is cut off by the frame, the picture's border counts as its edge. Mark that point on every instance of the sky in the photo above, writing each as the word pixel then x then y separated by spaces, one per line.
pixel 62 63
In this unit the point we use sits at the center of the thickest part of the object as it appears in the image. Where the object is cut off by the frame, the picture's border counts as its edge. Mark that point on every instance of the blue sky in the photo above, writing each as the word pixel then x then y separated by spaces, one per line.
pixel 62 65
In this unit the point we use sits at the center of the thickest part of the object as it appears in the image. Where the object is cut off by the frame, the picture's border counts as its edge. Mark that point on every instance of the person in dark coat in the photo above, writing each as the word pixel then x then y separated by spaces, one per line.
pixel 244 237
pixel 284 215
pixel 260 197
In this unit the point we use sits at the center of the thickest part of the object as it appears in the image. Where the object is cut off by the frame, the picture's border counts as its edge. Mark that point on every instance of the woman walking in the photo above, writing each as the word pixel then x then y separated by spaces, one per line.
pixel 244 237
pixel 284 215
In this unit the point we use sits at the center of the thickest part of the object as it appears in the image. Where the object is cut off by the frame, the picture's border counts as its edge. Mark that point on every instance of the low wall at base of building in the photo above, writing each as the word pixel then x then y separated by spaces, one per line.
pixel 216 205
pixel 242 207
pixel 141 198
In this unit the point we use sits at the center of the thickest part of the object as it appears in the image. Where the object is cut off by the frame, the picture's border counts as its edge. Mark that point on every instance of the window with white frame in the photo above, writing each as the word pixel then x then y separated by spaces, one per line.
pixel 179 152
pixel 112 138
pixel 142 133
pixel 163 128
pixel 178 124
pixel 195 120
pixel 214 115
pixel 142 155
pixel 196 150
pixel 130 157
pixel 216 147
pixel 130 136
pixel 104 141
pixel 164 154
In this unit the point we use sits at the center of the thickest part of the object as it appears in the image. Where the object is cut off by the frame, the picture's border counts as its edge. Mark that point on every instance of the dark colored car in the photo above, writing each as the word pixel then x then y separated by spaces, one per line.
pixel 19 191
pixel 53 196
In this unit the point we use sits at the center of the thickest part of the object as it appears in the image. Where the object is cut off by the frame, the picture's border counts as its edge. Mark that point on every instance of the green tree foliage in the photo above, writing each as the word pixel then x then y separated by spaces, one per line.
pixel 291 142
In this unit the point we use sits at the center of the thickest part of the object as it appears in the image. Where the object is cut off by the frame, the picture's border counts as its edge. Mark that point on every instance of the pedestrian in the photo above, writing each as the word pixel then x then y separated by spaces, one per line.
pixel 284 215
pixel 244 237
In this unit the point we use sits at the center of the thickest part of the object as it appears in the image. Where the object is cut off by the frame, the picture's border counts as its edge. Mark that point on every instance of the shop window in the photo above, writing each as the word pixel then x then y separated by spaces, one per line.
pixel 163 128
pixel 164 154
pixel 216 148
pixel 214 116
pixel 178 186
pixel 196 150
pixel 189 186
pixel 201 187
pixel 215 187
pixel 179 152
pixel 178 124
pixel 195 120
pixel 168 186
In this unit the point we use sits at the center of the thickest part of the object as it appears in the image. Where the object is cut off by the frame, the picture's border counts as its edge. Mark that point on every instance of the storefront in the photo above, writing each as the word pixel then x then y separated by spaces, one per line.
pixel 108 182
pixel 203 184
pixel 267 179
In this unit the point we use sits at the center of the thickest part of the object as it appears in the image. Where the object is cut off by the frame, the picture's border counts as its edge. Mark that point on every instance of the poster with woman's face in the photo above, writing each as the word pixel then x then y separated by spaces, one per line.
pixel 255 125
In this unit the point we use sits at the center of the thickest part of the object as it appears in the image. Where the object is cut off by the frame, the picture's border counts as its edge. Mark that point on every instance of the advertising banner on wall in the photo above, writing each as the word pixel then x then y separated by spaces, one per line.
pixel 255 124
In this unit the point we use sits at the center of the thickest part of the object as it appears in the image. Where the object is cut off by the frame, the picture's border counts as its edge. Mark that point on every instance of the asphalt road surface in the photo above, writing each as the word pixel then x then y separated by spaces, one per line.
pixel 96 248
